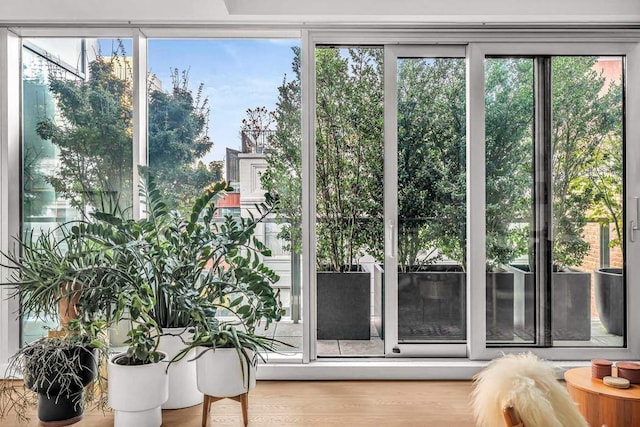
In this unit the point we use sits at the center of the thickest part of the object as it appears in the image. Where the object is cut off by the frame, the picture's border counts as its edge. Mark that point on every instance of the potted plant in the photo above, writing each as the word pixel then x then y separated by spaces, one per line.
pixel 178 257
pixel 138 381
pixel 48 273
pixel 349 200
pixel 349 142
pixel 58 368
pixel 227 313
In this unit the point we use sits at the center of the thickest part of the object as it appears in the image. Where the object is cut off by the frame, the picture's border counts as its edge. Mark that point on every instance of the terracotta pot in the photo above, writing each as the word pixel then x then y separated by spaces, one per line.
pixel 67 310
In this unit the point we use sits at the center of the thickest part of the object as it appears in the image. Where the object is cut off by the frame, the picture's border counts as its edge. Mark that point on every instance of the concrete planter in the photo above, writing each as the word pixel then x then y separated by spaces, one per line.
pixel 609 289
pixel 431 304
pixel 499 310
pixel 344 300
pixel 570 308
pixel 378 299
pixel 571 305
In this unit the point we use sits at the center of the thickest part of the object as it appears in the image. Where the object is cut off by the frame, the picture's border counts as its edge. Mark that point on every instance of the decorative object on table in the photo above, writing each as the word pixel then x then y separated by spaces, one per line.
pixel 630 371
pixel 601 368
pixel 530 386
pixel 616 382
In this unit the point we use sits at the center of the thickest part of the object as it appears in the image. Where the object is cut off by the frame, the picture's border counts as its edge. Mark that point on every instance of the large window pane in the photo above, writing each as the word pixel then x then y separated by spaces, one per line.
pixel 588 291
pixel 77 136
pixel 222 109
pixel 349 196
pixel 509 114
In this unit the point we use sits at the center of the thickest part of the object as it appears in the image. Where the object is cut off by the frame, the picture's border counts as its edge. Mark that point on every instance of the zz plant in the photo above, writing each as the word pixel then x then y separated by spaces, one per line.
pixel 177 272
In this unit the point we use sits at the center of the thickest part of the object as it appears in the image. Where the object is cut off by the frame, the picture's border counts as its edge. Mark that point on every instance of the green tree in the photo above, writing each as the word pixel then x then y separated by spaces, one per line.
pixel 284 158
pixel 349 155
pixel 431 160
pixel 585 115
pixel 509 156
pixel 178 137
pixel 94 138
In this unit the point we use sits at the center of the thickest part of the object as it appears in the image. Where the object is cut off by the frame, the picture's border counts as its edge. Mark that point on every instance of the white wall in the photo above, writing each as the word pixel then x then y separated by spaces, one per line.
pixel 16 12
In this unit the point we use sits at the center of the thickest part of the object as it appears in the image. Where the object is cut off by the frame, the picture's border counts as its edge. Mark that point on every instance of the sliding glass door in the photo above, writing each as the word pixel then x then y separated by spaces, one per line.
pixel 544 211
pixel 425 199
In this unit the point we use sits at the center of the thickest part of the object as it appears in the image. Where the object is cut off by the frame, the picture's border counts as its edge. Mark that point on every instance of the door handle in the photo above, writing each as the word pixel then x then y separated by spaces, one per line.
pixel 391 240
pixel 635 223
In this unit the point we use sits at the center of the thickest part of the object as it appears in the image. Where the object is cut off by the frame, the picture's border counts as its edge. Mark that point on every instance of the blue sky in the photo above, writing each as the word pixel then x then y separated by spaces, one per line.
pixel 237 74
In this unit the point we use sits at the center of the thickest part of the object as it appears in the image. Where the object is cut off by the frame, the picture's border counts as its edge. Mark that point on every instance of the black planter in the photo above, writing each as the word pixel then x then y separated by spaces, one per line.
pixel 499 306
pixel 571 305
pixel 61 406
pixel 344 305
pixel 570 308
pixel 609 289
pixel 431 304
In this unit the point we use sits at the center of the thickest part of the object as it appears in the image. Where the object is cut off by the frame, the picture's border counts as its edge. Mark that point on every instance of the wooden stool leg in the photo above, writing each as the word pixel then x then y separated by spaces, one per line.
pixel 205 410
pixel 244 402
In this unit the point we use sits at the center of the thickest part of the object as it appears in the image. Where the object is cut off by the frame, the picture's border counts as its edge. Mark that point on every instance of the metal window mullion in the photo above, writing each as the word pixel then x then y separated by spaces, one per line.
pixel 543 197
pixel 308 198
pixel 10 163
pixel 139 93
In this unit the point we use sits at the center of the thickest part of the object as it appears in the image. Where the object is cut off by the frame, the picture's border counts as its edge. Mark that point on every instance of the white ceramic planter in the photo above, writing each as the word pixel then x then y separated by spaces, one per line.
pixel 183 386
pixel 137 392
pixel 220 373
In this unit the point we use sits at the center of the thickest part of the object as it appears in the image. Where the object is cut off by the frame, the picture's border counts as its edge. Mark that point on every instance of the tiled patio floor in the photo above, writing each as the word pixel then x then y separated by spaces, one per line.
pixel 374 347
pixel 291 333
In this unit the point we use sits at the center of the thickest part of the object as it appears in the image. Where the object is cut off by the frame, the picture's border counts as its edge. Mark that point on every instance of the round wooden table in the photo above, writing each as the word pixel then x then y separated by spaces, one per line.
pixel 602 405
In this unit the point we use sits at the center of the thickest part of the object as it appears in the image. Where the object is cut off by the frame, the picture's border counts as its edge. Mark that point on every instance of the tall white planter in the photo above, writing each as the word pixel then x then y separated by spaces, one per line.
pixel 221 373
pixel 183 386
pixel 137 392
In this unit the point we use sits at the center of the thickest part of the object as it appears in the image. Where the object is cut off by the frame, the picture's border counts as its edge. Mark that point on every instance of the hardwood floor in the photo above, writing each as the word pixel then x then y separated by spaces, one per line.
pixel 326 403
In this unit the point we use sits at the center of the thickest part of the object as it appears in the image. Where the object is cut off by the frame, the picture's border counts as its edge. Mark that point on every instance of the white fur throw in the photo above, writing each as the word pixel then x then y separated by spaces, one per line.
pixel 530 386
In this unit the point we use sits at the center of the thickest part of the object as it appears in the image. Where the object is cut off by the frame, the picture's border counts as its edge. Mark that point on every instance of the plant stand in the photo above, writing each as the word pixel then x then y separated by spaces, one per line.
pixel 242 398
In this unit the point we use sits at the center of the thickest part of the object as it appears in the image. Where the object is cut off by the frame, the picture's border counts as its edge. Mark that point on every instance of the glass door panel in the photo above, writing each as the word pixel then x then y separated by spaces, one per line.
pixel 588 286
pixel 349 200
pixel 426 119
pixel 509 166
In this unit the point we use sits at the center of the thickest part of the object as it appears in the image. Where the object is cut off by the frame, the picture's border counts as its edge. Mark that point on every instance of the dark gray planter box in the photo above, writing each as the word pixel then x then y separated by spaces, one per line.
pixel 431 304
pixel 571 305
pixel 570 308
pixel 344 300
pixel 609 289
pixel 499 306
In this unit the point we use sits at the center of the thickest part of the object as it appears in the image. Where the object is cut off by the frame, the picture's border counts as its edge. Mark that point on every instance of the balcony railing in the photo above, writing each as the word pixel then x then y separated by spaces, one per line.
pixel 256 140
